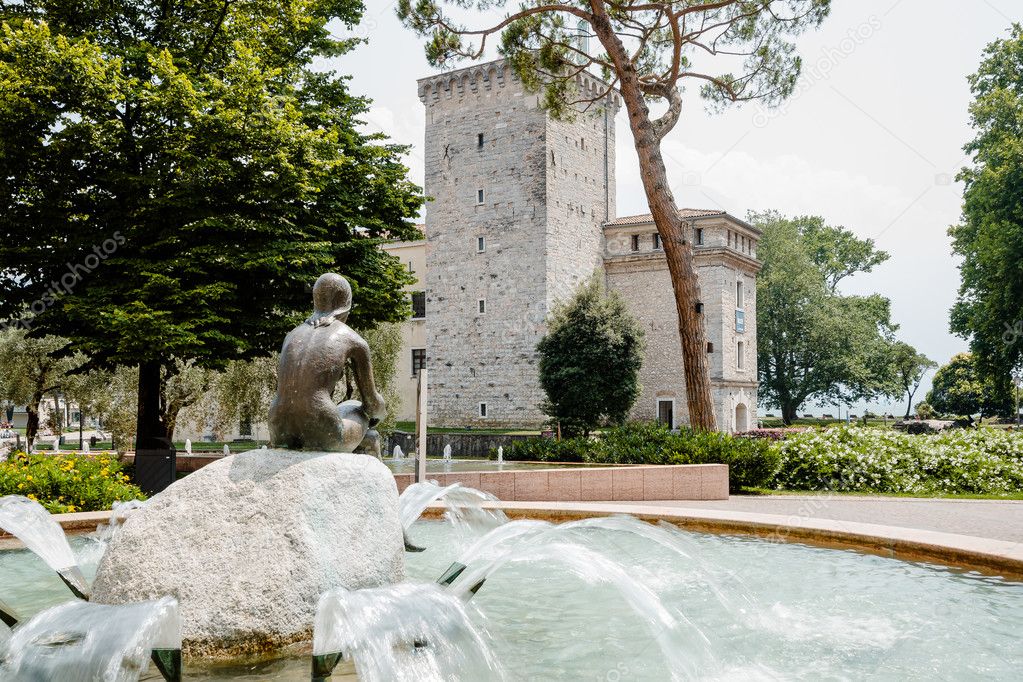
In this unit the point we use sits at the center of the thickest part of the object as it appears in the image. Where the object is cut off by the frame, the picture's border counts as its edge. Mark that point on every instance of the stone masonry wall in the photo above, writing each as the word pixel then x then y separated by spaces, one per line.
pixel 537 247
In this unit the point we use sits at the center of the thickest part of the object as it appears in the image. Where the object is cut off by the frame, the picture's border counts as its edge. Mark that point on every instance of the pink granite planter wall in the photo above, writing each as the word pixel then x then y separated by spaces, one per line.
pixel 567 484
pixel 634 483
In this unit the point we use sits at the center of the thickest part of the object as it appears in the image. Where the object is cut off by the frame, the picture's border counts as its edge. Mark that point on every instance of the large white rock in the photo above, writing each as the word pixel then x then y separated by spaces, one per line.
pixel 249 543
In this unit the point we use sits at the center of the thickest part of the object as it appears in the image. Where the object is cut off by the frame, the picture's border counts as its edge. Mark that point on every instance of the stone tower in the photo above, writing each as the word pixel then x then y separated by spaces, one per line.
pixel 519 201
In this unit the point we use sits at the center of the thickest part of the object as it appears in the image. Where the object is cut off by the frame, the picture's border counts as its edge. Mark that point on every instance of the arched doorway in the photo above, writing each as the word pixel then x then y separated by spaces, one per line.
pixel 741 418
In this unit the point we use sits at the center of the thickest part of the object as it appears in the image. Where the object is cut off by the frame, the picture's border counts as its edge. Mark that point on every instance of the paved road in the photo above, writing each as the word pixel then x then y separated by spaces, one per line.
pixel 1000 520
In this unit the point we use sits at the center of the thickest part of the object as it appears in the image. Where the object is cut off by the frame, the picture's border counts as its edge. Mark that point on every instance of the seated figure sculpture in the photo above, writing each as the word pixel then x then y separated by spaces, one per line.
pixel 303 415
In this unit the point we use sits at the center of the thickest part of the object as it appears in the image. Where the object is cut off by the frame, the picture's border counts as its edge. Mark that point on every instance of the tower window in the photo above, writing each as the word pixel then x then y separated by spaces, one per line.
pixel 479 140
pixel 657 241
pixel 418 360
pixel 481 244
pixel 479 197
pixel 710 346
pixel 635 242
pixel 698 236
pixel 740 298
pixel 740 355
pixel 483 410
pixel 418 305
pixel 481 306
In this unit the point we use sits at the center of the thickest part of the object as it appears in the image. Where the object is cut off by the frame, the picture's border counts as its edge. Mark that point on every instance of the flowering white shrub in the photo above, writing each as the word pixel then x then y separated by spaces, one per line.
pixel 856 458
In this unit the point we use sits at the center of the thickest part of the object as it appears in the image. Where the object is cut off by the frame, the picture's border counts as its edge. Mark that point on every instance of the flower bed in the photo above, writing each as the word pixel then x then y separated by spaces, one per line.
pixel 860 459
pixel 67 483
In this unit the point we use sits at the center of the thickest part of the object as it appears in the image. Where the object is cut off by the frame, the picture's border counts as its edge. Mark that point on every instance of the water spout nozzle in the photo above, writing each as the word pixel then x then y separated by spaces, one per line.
pixel 324 664
pixel 451 574
pixel 409 547
pixel 8 615
pixel 73 578
pixel 168 662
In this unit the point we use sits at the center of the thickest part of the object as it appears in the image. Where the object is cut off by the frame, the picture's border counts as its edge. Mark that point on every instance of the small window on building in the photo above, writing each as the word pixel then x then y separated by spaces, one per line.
pixel 710 346
pixel 479 197
pixel 657 242
pixel 582 143
pixel 418 360
pixel 666 413
pixel 410 266
pixel 483 410
pixel 481 306
pixel 418 305
pixel 729 238
pixel 479 140
pixel 698 236
pixel 635 242
pixel 740 355
pixel 740 298
pixel 481 244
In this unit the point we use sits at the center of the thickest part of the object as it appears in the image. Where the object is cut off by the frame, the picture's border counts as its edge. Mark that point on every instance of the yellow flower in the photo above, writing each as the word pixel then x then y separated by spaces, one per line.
pixel 20 486
pixel 71 508
pixel 31 496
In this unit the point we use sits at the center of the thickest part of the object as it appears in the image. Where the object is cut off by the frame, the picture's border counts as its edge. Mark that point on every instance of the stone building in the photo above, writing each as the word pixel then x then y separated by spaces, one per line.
pixel 522 211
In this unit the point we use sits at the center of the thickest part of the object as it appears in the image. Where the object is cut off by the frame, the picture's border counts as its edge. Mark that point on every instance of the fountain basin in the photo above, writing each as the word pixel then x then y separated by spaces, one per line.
pixel 768 610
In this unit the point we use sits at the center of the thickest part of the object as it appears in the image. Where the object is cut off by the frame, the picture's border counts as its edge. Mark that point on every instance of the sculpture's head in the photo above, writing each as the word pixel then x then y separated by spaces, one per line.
pixel 332 299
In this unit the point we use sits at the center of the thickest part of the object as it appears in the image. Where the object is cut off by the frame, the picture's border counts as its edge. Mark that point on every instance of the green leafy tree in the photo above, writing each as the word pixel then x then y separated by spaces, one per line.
pixel 837 251
pixel 910 368
pixel 812 343
pixel 174 176
pixel 31 369
pixel 647 52
pixel 989 310
pixel 590 360
pixel 961 389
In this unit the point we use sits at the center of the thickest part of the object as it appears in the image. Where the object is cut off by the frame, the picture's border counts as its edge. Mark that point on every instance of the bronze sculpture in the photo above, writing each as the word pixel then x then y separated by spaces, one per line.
pixel 303 415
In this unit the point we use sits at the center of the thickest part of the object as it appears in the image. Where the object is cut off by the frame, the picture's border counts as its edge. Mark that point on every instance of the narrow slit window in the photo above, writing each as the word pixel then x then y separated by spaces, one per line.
pixel 479 197
pixel 481 306
pixel 479 140
pixel 740 355
pixel 698 236
pixel 740 295
pixel 483 410
pixel 657 241
pixel 481 244
pixel 635 242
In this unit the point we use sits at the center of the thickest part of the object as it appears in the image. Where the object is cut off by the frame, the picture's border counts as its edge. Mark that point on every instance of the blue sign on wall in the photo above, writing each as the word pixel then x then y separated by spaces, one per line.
pixel 740 320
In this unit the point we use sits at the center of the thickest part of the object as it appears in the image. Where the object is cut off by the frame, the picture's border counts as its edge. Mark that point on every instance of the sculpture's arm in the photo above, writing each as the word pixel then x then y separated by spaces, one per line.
pixel 362 368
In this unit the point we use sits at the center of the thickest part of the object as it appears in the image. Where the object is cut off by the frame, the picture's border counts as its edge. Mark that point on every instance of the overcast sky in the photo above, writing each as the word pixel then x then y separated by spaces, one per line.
pixel 871 140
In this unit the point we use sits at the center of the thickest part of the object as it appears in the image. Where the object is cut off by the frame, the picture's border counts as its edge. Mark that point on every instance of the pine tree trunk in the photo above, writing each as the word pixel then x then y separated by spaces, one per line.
pixel 678 248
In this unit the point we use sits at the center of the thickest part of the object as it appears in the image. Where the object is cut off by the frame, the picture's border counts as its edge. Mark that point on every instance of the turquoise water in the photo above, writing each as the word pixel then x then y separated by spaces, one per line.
pixel 755 610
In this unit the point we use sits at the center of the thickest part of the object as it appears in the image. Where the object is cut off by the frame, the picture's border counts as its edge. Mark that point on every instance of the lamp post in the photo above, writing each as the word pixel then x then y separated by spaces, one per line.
pixel 1017 380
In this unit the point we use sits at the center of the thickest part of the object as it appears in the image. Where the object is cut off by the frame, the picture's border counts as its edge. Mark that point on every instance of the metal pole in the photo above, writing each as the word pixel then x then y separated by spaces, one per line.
pixel 421 422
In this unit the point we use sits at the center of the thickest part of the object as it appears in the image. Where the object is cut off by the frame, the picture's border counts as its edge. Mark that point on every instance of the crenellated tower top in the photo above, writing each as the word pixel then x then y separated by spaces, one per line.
pixel 496 76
